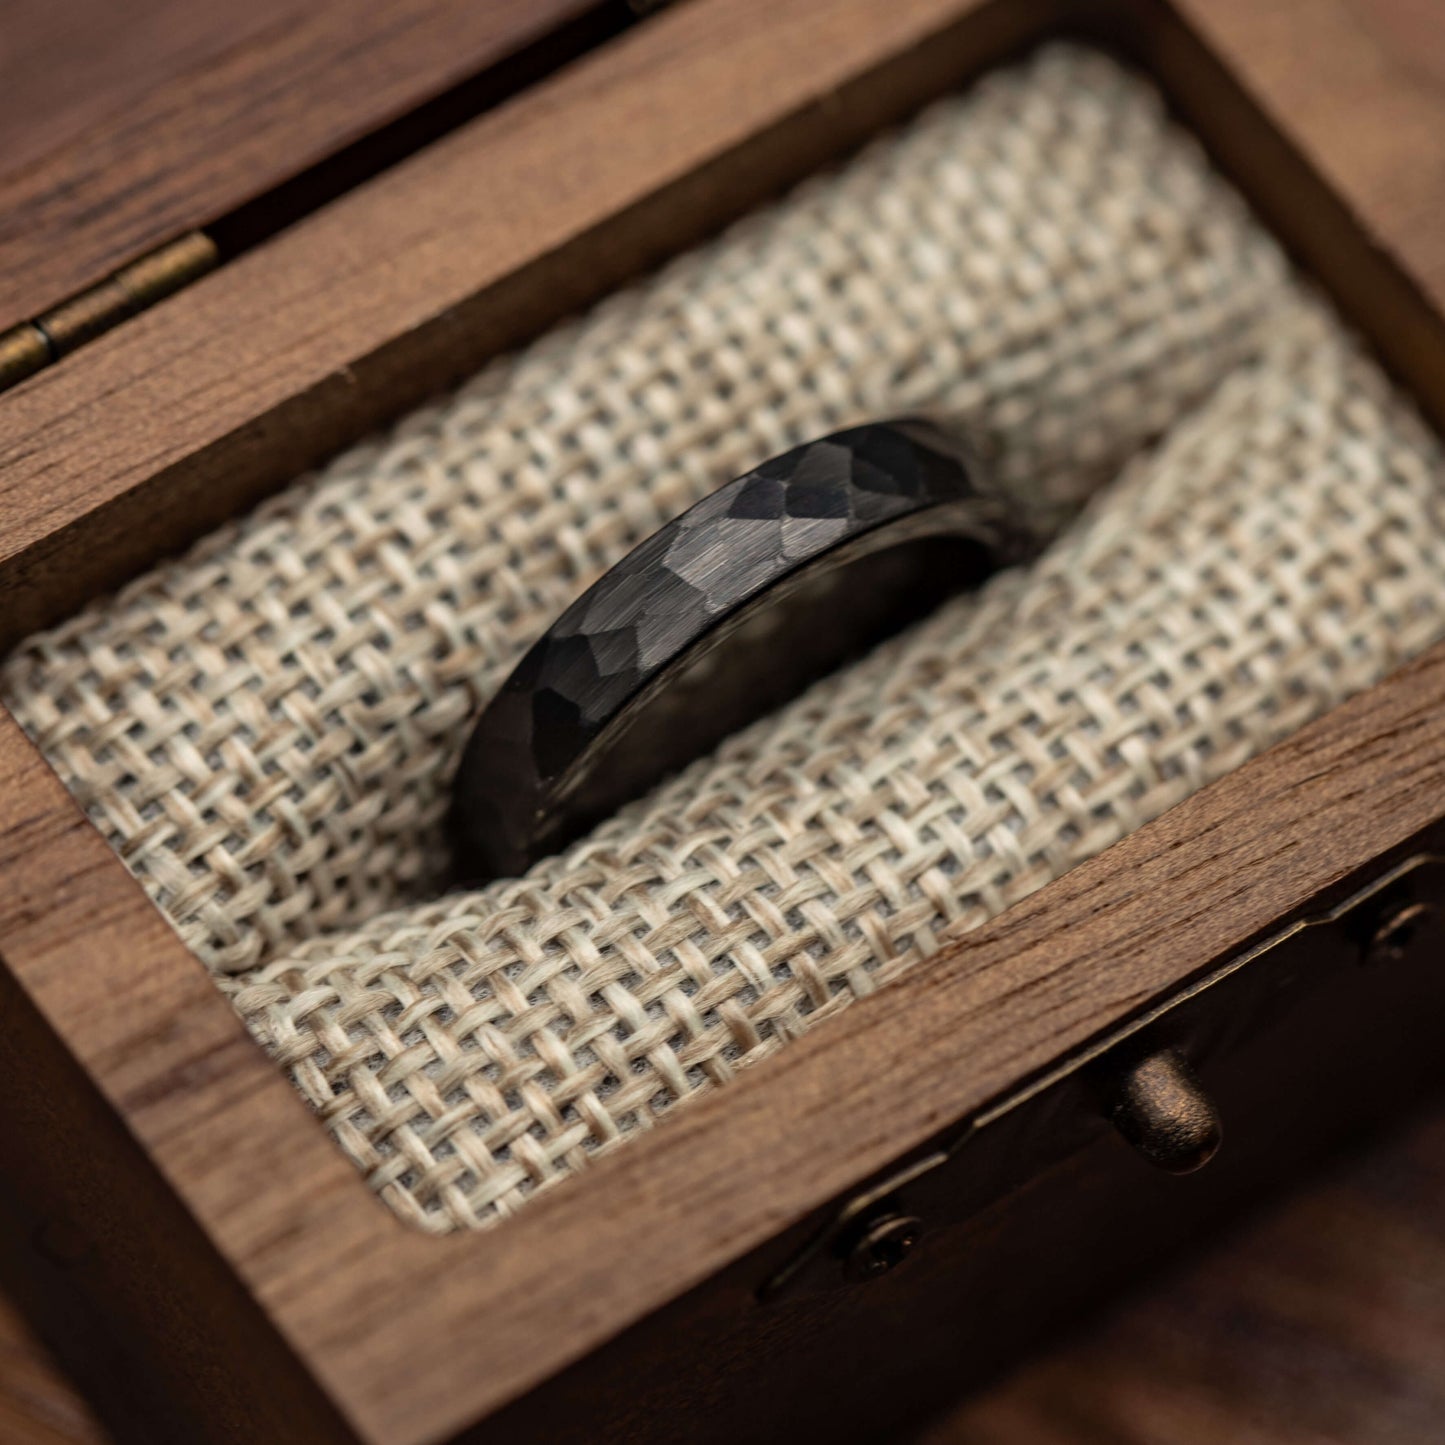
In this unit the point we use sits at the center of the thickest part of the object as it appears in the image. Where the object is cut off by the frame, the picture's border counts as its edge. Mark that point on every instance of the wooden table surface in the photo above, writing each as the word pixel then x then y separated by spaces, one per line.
pixel 1320 1320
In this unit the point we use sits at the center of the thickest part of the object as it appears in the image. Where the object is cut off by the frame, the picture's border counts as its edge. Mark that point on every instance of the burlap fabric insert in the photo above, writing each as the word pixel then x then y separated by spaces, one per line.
pixel 265 729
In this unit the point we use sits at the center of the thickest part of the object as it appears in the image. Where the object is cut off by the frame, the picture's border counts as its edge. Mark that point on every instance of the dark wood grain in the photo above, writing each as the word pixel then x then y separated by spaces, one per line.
pixel 1359 89
pixel 154 433
pixel 122 126
pixel 67 69
pixel 214 396
pixel 194 410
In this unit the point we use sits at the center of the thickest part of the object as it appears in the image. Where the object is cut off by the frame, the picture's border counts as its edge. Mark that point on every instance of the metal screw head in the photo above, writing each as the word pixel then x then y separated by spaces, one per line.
pixel 1396 931
pixel 61 1241
pixel 883 1246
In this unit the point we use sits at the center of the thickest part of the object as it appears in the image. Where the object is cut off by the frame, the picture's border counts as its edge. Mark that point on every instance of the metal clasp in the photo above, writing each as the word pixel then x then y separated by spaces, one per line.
pixel 1139 1079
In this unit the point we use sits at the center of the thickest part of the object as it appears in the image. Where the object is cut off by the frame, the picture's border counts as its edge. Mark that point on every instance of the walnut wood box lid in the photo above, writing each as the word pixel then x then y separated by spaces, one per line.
pixel 219 1223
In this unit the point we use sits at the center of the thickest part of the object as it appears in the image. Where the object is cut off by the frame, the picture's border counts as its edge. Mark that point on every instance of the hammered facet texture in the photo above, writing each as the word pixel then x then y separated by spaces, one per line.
pixel 586 723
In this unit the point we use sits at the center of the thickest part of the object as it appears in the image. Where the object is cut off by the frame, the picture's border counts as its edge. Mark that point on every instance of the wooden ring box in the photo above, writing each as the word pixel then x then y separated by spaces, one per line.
pixel 265 1293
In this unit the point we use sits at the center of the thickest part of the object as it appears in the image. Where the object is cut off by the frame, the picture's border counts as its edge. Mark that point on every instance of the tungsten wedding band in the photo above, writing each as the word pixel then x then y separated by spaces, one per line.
pixel 718 617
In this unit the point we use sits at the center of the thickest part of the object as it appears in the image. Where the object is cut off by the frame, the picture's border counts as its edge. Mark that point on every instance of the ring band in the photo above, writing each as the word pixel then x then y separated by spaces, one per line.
pixel 718 617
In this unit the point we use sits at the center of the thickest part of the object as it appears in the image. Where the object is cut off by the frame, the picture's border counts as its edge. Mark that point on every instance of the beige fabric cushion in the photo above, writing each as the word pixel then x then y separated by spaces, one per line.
pixel 266 729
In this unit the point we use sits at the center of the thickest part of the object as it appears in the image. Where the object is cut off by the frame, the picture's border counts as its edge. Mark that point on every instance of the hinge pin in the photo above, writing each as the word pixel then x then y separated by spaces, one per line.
pixel 34 345
pixel 24 349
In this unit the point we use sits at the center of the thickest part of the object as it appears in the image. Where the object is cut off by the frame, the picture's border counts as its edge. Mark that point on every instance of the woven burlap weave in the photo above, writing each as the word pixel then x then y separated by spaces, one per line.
pixel 266 728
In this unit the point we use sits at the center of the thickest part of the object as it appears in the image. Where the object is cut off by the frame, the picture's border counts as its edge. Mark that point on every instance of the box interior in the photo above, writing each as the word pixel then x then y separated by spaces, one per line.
pixel 264 729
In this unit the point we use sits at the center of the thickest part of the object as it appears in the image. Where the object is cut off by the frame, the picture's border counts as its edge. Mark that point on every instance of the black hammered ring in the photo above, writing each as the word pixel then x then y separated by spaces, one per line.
pixel 718 617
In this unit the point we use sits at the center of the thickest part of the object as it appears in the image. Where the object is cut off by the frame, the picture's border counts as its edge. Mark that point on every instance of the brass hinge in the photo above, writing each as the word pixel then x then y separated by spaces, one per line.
pixel 34 345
